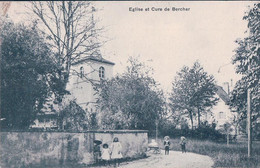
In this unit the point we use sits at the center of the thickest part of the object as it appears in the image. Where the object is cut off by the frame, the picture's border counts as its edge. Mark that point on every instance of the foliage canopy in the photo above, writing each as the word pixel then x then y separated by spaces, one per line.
pixel 247 62
pixel 27 67
pixel 132 100
pixel 193 92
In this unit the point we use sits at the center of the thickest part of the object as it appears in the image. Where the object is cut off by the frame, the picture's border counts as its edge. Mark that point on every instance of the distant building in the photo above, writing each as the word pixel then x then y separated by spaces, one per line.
pixel 221 112
pixel 47 118
pixel 46 121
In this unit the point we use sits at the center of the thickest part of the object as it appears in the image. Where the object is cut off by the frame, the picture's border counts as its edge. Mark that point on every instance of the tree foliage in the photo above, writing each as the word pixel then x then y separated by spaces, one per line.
pixel 131 100
pixel 73 118
pixel 193 92
pixel 247 62
pixel 27 67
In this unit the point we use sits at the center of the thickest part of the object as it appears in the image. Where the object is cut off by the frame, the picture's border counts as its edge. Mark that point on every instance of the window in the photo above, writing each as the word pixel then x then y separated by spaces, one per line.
pixel 101 72
pixel 81 72
pixel 221 115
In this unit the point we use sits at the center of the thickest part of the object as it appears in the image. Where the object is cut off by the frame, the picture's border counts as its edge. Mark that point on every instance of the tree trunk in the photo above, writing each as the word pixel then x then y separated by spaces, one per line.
pixel 191 123
pixel 227 138
pixel 198 117
pixel 191 119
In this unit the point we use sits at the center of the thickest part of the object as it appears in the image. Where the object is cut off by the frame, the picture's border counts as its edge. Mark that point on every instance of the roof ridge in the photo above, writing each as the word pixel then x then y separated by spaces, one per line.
pixel 93 58
pixel 222 94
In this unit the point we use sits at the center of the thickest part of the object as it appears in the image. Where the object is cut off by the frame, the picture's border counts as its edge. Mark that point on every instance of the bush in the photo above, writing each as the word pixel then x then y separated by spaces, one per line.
pixel 205 132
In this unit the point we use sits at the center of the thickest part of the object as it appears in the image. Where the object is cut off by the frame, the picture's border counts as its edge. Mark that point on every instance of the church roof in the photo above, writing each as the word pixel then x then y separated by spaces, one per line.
pixel 222 94
pixel 92 58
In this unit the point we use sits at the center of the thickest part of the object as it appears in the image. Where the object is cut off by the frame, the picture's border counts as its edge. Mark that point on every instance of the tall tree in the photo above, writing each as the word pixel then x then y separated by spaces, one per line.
pixel 247 62
pixel 71 29
pixel 131 100
pixel 27 66
pixel 193 92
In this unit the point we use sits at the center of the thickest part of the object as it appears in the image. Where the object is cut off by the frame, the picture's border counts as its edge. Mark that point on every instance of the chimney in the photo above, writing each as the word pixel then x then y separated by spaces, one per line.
pixel 226 87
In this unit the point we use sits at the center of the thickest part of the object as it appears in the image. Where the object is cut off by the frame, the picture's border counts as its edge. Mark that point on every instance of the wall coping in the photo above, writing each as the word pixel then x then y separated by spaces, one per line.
pixel 87 131
pixel 118 131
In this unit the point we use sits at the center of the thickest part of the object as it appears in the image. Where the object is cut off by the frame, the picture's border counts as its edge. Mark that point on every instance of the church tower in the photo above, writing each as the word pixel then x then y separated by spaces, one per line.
pixel 84 74
pixel 88 71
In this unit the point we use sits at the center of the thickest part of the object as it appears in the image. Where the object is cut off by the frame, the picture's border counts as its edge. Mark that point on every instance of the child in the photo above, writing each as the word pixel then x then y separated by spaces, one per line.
pixel 167 144
pixel 97 151
pixel 116 154
pixel 183 144
pixel 105 154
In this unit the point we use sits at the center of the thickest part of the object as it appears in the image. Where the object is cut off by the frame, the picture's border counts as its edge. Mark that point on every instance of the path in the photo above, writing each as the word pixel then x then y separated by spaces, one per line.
pixel 175 159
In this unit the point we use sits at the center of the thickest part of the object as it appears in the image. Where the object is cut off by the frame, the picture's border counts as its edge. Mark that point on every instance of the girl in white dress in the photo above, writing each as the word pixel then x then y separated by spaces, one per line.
pixel 116 154
pixel 105 154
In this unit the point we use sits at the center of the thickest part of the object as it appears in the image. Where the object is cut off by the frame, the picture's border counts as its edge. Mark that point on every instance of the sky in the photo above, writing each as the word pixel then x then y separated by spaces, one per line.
pixel 168 40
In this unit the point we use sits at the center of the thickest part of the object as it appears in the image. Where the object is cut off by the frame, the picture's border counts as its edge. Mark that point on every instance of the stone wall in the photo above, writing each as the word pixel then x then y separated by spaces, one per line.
pixel 29 149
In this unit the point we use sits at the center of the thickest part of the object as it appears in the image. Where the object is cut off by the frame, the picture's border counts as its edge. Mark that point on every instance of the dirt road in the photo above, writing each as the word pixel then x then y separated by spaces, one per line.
pixel 175 159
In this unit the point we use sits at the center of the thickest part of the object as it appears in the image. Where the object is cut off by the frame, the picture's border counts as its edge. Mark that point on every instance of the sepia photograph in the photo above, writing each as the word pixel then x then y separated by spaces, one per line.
pixel 148 84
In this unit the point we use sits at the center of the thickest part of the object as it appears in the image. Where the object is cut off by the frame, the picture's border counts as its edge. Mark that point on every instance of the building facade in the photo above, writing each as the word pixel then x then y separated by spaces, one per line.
pixel 84 75
pixel 221 112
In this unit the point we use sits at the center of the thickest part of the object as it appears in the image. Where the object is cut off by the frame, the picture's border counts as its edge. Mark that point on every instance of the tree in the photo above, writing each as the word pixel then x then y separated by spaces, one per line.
pixel 181 95
pixel 27 67
pixel 73 118
pixel 193 92
pixel 247 62
pixel 132 100
pixel 71 30
pixel 238 98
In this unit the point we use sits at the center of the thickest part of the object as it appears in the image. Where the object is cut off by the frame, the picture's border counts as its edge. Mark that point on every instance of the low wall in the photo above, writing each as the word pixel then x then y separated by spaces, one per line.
pixel 25 149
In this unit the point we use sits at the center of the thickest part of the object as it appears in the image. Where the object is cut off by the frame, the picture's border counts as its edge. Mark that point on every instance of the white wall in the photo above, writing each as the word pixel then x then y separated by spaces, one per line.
pixel 82 88
pixel 228 116
pixel 50 149
pixel 50 123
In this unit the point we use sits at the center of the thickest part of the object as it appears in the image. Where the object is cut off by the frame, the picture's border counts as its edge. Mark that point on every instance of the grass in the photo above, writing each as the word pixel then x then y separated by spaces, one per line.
pixel 234 155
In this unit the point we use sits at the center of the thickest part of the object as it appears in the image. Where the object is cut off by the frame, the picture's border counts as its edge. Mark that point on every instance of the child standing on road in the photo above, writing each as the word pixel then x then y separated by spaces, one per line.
pixel 167 144
pixel 116 150
pixel 97 151
pixel 183 144
pixel 105 154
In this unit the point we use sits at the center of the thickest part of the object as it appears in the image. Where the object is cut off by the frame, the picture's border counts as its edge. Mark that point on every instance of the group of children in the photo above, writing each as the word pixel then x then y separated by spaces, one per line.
pixel 167 144
pixel 107 154
pixel 114 153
